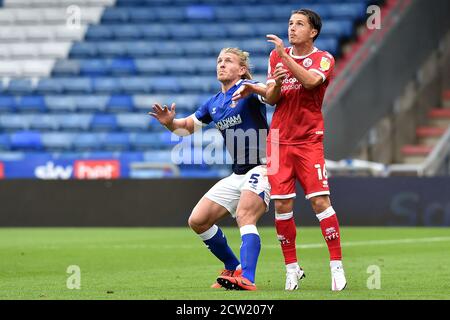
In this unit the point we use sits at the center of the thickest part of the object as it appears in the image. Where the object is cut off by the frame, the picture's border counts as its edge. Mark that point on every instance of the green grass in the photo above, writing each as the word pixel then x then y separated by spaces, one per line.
pixel 172 263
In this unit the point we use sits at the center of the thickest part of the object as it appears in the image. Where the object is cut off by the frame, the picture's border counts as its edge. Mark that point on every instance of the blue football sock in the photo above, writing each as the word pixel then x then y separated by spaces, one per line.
pixel 250 248
pixel 217 243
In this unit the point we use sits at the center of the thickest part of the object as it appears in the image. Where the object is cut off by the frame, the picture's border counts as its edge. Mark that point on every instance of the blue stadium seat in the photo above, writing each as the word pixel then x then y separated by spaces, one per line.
pixel 151 66
pixel 165 85
pixel 213 31
pixel 135 84
pixel 5 143
pixel 198 48
pixel 126 32
pixel 111 49
pixel 170 14
pixel 66 68
pixel 229 13
pixel 115 15
pixel 14 122
pixel 337 28
pixel 104 122
pixel 279 29
pixel 87 141
pixel 145 141
pixel 122 66
pixel 91 103
pixel 179 66
pixel 158 156
pixel 49 86
pixel 20 86
pixel 200 13
pixel 328 44
pixel 74 122
pixel 60 103
pixel 7 103
pixel 198 84
pixel 26 140
pixel 44 122
pixel 142 15
pixel 168 49
pixel 198 173
pixel 57 141
pixel 185 103
pixel 258 13
pixel 120 103
pixel 106 85
pixel 139 49
pixel 76 85
pixel 355 11
pixel 93 67
pixel 117 141
pixel 83 50
pixel 133 121
pixel 154 31
pixel 207 66
pixel 182 32
pixel 99 33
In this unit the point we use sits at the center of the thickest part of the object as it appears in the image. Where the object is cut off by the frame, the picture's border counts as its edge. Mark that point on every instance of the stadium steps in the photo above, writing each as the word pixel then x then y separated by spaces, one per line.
pixel 446 99
pixel 415 153
pixel 428 135
pixel 439 117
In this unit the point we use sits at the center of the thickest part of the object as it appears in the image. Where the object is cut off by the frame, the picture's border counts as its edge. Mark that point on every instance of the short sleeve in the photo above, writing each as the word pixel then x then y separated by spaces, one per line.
pixel 202 114
pixel 323 65
pixel 271 66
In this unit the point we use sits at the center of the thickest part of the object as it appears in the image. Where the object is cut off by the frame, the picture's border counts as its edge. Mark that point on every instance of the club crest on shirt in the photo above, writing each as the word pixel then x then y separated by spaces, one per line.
pixel 325 64
pixel 307 62
pixel 233 104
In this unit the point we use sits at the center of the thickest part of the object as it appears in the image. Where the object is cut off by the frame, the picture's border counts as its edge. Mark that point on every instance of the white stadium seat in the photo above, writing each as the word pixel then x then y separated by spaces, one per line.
pixel 6 18
pixel 24 16
pixel 10 68
pixel 37 68
pixel 24 50
pixel 54 50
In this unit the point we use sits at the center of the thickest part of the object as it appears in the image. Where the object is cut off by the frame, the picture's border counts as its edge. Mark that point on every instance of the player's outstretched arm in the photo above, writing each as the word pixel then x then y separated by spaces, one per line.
pixel 309 80
pixel 166 116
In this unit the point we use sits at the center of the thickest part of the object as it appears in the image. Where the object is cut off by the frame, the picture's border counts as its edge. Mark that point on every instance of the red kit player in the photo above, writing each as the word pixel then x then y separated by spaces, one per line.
pixel 295 143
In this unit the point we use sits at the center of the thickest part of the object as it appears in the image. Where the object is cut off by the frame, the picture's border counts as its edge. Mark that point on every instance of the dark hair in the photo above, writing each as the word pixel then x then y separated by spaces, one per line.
pixel 314 19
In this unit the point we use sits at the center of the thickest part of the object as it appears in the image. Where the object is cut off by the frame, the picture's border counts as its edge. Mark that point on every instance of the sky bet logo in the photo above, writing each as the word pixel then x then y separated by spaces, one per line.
pixel 82 169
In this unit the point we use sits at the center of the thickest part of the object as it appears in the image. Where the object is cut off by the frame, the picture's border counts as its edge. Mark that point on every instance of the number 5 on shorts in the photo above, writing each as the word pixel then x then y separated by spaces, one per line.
pixel 254 178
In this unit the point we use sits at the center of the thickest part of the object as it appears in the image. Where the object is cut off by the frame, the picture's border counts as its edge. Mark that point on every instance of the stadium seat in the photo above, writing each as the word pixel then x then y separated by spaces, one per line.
pixel 135 84
pixel 43 122
pixel 104 122
pixel 139 49
pixel 133 122
pixel 91 103
pixel 185 31
pixel 76 85
pixel 49 86
pixel 60 103
pixel 165 85
pixel 126 32
pixel 87 141
pixel 74 122
pixel 158 156
pixel 198 48
pixel 106 85
pixel 122 67
pixel 26 140
pixel 93 67
pixel 7 103
pixel 99 33
pixel 57 141
pixel 111 49
pixel 20 86
pixel 200 13
pixel 170 14
pixel 240 30
pixel 83 50
pixel 214 31
pixel 66 68
pixel 166 49
pixel 31 104
pixel 142 15
pixel 120 103
pixel 117 141
pixel 5 143
pixel 114 15
pixel 151 66
pixel 14 122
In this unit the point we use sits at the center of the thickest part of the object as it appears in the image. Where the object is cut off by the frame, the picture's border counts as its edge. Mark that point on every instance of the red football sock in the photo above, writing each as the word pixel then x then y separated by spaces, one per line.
pixel 330 230
pixel 286 233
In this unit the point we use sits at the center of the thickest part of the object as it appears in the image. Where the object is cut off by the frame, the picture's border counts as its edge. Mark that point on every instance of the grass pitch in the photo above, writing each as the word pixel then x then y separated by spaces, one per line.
pixel 172 263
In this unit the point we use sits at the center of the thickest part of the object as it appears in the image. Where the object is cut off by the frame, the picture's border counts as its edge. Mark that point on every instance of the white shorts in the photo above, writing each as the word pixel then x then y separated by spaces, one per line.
pixel 227 192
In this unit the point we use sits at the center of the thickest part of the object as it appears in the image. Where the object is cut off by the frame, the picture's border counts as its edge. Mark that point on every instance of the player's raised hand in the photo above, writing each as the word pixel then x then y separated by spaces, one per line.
pixel 279 46
pixel 244 91
pixel 279 74
pixel 163 115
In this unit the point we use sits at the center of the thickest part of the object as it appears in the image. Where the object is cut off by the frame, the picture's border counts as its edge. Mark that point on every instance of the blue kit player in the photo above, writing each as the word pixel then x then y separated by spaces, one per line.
pixel 245 194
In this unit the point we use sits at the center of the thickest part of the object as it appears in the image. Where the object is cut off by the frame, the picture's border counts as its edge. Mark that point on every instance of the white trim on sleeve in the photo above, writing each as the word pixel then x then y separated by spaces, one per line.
pixel 196 121
pixel 285 196
pixel 315 194
pixel 319 73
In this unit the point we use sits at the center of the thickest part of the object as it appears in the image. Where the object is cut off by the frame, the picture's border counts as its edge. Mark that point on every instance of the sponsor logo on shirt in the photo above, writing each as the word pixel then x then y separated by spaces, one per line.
pixel 325 64
pixel 229 122
pixel 214 110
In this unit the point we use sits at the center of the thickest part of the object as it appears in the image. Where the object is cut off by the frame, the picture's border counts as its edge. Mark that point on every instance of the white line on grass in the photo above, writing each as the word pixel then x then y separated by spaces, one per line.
pixel 300 246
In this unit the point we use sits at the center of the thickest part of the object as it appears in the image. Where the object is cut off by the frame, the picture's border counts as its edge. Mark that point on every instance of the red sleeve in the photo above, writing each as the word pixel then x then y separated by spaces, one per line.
pixel 271 66
pixel 323 65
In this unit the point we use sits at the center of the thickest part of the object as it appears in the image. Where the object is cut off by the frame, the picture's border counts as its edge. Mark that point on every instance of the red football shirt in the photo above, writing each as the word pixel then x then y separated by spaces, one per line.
pixel 298 113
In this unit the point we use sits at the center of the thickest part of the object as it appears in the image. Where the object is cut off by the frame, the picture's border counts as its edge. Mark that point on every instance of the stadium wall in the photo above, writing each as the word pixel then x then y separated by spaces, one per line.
pixel 395 201
pixel 403 45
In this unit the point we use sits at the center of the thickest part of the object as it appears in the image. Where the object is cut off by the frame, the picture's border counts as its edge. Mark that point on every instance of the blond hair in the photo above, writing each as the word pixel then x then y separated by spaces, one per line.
pixel 244 60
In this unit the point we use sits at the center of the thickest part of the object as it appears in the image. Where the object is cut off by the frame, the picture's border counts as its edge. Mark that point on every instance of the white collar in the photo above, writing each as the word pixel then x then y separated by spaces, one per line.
pixel 291 53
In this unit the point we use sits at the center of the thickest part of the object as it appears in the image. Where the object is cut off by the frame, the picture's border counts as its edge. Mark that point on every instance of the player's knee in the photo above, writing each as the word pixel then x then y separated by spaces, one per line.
pixel 320 204
pixel 284 205
pixel 197 224
pixel 244 217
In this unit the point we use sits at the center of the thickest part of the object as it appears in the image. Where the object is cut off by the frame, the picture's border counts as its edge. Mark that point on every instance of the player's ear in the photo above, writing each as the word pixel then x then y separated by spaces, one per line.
pixel 314 33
